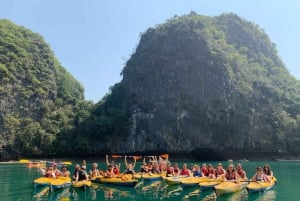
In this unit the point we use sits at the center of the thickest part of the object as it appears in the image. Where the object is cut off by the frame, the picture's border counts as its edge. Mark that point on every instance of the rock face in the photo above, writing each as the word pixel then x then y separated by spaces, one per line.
pixel 37 95
pixel 198 82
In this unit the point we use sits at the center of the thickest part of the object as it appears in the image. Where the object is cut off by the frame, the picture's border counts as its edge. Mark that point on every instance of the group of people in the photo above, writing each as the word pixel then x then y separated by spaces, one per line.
pixel 53 172
pixel 157 165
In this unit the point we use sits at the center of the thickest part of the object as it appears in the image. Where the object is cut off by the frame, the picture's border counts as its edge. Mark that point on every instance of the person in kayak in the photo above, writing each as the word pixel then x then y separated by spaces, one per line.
pixel 185 171
pixel 268 171
pixel 220 171
pixel 81 174
pixel 197 171
pixel 260 175
pixel 240 171
pixel 231 174
pixel 94 172
pixel 110 172
pixel 77 168
pixel 129 166
pixel 64 171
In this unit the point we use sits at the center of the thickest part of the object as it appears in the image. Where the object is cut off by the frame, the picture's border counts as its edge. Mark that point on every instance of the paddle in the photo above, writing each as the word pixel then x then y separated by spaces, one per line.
pixel 29 161
pixel 116 156
pixel 165 156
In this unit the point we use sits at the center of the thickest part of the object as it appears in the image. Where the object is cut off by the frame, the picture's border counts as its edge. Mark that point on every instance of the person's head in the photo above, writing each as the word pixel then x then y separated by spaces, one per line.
pixel 83 167
pixel 77 166
pixel 259 170
pixel 95 165
pixel 238 166
pixel 230 168
pixel 64 167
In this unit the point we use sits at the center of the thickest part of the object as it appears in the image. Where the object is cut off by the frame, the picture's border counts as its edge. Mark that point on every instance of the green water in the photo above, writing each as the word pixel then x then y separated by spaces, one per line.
pixel 16 185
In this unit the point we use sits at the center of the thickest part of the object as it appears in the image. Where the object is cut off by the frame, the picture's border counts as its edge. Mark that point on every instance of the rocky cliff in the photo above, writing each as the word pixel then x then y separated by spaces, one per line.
pixel 205 83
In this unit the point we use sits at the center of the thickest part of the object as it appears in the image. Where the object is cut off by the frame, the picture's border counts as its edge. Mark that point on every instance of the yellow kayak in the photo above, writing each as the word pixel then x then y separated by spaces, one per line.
pixel 227 187
pixel 175 179
pixel 119 181
pixel 209 184
pixel 151 177
pixel 192 181
pixel 84 184
pixel 53 183
pixel 260 186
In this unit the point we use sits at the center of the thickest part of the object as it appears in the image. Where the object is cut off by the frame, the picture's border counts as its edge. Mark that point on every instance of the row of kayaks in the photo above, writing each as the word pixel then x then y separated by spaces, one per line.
pixel 218 185
pixel 60 183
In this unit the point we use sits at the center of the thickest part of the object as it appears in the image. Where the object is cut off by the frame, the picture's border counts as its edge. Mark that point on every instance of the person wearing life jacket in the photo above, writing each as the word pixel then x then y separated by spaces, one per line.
pixel 204 169
pixel 169 169
pixel 116 169
pixel 176 170
pixel 110 172
pixel 231 174
pixel 210 171
pixel 219 171
pixel 260 175
pixel 185 171
pixel 241 173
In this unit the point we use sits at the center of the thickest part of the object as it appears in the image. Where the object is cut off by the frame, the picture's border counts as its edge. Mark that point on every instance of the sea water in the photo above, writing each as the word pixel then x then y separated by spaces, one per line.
pixel 16 185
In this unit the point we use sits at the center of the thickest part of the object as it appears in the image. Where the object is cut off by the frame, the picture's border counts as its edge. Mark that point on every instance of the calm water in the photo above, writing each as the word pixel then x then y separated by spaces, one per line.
pixel 16 184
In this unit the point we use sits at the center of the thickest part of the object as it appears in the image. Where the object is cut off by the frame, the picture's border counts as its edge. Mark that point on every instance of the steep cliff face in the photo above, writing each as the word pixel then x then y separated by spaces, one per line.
pixel 37 95
pixel 208 82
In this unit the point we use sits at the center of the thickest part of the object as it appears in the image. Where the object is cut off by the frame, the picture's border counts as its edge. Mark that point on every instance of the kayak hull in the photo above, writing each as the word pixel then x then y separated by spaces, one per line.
pixel 84 184
pixel 229 187
pixel 118 181
pixel 255 187
pixel 52 183
pixel 192 181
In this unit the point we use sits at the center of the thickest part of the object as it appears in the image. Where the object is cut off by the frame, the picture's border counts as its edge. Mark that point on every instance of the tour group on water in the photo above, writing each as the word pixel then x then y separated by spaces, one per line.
pixel 220 179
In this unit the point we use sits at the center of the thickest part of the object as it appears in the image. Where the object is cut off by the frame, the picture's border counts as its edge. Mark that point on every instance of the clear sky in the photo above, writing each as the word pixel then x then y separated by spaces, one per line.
pixel 93 39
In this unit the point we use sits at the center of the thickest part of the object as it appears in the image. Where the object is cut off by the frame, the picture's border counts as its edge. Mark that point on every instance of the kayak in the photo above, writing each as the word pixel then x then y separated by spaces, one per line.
pixel 192 181
pixel 84 184
pixel 52 183
pixel 151 177
pixel 227 187
pixel 259 186
pixel 209 184
pixel 174 179
pixel 119 181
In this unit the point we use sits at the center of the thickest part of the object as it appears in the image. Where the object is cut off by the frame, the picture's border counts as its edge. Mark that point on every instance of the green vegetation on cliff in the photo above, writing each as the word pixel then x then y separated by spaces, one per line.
pixel 39 98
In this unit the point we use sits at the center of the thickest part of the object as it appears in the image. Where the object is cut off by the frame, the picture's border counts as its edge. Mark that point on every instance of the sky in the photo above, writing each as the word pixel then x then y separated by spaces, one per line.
pixel 93 39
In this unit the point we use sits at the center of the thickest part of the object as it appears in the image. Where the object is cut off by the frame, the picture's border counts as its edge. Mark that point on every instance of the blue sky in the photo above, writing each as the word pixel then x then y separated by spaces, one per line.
pixel 94 38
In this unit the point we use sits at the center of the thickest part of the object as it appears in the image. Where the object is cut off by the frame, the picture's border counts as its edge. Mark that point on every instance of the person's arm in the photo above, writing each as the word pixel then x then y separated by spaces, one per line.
pixel 133 165
pixel 77 176
pixel 107 162
pixel 126 164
